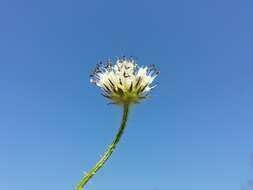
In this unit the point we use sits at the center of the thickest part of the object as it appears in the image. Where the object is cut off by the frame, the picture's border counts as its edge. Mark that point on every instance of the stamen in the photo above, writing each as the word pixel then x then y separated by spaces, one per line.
pixel 126 75
pixel 131 87
pixel 120 81
pixel 138 81
pixel 120 91
pixel 111 82
pixel 142 88
pixel 107 88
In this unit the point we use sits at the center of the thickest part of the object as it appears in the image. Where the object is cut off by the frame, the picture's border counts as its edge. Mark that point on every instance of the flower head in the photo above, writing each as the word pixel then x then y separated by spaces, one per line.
pixel 125 82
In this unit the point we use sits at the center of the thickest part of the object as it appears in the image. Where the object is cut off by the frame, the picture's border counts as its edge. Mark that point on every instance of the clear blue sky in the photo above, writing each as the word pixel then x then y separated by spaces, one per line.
pixel 196 131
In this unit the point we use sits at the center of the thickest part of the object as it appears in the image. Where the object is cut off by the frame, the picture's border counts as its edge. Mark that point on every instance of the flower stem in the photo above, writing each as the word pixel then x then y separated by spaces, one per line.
pixel 109 151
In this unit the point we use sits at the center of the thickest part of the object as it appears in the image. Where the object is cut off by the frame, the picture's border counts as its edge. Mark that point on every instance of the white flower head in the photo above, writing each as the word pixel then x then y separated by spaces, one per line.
pixel 125 82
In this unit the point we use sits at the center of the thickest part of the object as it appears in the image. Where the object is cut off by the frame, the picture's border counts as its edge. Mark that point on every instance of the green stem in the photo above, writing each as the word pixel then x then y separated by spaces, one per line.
pixel 109 151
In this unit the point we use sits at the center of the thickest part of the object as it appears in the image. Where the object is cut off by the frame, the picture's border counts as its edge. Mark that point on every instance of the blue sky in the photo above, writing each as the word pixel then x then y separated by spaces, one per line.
pixel 196 131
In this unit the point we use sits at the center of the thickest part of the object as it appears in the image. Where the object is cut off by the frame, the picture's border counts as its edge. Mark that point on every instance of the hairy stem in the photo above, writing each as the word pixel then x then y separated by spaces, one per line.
pixel 109 151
